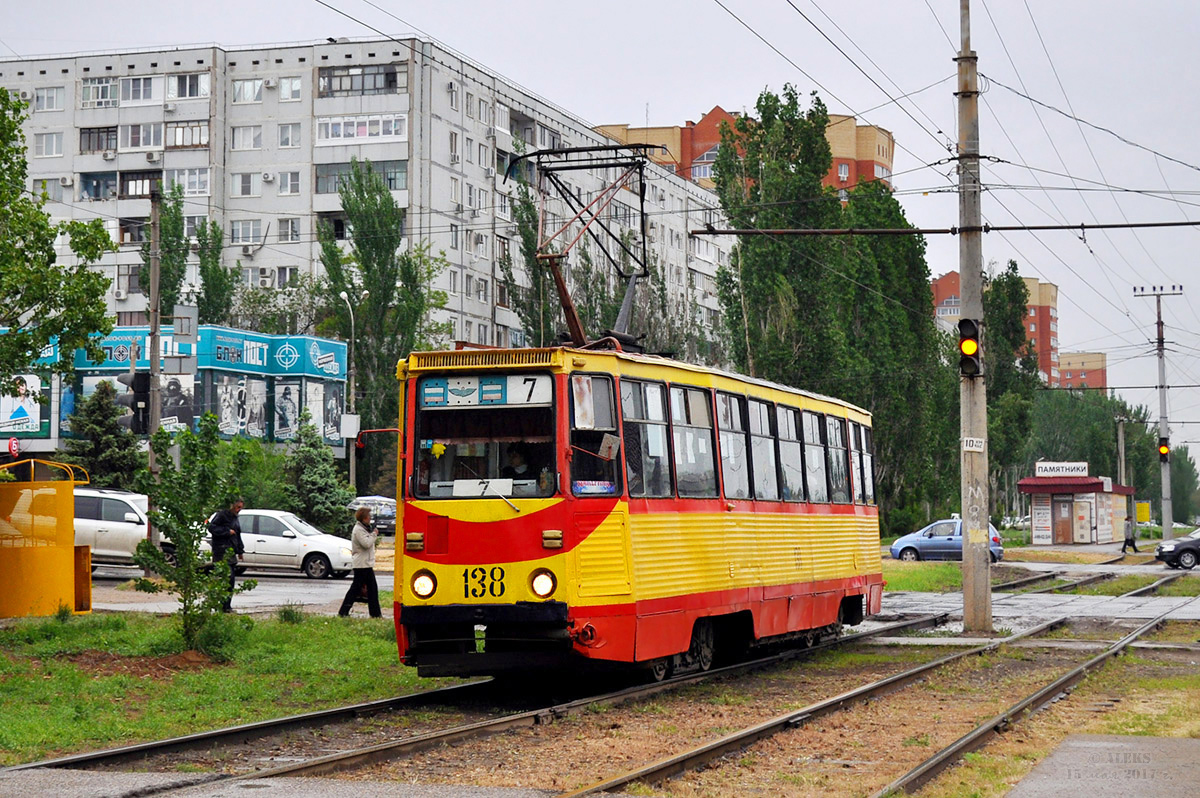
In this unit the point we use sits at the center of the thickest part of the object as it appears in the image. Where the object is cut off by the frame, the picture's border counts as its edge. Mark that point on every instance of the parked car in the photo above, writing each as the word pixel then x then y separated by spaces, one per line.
pixel 941 540
pixel 277 540
pixel 111 522
pixel 1181 552
pixel 383 512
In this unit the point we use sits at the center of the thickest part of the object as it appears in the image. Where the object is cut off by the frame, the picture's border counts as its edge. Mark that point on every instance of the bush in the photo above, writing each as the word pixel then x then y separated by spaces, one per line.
pixel 291 612
pixel 901 521
pixel 222 634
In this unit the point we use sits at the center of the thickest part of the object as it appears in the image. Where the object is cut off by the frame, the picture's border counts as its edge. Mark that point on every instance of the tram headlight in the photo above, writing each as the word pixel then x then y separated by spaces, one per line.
pixel 424 584
pixel 543 584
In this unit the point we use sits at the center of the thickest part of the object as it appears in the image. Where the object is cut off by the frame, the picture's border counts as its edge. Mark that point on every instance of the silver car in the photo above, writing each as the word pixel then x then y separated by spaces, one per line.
pixel 278 540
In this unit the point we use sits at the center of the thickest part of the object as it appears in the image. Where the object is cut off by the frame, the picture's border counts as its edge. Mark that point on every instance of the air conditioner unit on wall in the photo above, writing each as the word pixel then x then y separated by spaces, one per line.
pixel 247 251
pixel 120 294
pixel 66 180
pixel 154 157
pixel 109 155
pixel 490 171
pixel 451 87
pixel 270 83
pixel 454 157
pixel 26 95
pixel 267 177
pixel 169 108
pixel 266 282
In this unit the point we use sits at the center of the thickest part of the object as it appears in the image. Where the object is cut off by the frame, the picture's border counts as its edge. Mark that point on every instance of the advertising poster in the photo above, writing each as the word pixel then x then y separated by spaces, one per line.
pixel 230 392
pixel 287 409
pixel 333 413
pixel 21 414
pixel 177 401
pixel 256 407
pixel 314 395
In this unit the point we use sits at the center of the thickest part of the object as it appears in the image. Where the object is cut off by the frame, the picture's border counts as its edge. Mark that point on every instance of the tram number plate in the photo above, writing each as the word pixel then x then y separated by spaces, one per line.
pixel 480 582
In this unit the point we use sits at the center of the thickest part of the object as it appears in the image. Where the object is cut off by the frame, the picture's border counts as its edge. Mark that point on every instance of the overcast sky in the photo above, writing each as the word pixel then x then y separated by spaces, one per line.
pixel 1125 66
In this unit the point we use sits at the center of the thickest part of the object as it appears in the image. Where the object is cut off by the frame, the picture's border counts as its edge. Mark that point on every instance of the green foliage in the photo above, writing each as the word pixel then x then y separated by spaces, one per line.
pixel 395 318
pixel 536 304
pixel 218 284
pixel 41 299
pixel 182 498
pixel 109 452
pixel 322 493
pixel 173 250
pixel 291 612
pixel 258 473
pixel 297 309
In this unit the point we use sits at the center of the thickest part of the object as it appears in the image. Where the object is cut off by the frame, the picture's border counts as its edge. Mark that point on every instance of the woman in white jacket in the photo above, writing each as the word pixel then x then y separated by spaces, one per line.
pixel 362 548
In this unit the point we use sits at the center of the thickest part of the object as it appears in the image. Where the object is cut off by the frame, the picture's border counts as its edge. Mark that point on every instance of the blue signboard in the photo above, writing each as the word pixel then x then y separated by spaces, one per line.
pixel 276 355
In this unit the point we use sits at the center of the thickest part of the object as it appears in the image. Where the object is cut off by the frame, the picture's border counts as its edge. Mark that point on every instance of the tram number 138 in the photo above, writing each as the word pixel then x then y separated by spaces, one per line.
pixel 480 582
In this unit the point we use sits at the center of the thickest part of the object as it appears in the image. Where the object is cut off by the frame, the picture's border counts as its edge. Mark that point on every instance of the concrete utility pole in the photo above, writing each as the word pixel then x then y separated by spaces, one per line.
pixel 155 330
pixel 976 563
pixel 1164 431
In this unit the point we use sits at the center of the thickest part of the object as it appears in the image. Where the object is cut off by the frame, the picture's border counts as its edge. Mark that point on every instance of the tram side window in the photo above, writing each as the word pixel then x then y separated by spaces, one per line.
pixel 762 452
pixel 594 456
pixel 856 472
pixel 791 464
pixel 839 477
pixel 735 468
pixel 647 468
pixel 868 457
pixel 814 458
pixel 692 425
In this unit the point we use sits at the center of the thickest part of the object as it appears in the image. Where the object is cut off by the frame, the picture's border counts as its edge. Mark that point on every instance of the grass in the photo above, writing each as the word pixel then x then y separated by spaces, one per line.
pixel 1116 586
pixel 1185 586
pixel 50 705
pixel 922 577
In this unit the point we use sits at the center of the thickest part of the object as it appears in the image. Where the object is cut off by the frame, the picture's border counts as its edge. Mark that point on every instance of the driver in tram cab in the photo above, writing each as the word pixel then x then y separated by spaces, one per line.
pixel 517 467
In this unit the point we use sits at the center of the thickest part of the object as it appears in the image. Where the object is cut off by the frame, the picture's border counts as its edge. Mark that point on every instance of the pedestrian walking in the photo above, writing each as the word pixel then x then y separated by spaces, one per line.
pixel 226 533
pixel 1129 539
pixel 362 558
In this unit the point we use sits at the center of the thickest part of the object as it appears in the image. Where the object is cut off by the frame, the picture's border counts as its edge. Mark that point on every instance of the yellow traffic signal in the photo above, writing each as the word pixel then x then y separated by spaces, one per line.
pixel 1164 449
pixel 970 362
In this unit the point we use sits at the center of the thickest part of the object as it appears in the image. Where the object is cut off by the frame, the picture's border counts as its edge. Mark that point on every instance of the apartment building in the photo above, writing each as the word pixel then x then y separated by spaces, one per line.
pixel 260 137
pixel 1083 370
pixel 859 151
pixel 1041 325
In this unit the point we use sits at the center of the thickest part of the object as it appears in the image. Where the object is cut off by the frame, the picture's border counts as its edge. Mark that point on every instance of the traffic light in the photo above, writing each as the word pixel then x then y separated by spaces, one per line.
pixel 1164 450
pixel 970 344
pixel 138 401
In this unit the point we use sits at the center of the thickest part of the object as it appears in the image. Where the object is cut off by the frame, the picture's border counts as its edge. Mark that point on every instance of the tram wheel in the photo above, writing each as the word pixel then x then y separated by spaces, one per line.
pixel 703 645
pixel 660 669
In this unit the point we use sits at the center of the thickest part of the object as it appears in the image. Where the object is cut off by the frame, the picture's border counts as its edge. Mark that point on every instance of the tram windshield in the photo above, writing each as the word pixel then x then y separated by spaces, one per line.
pixel 484 436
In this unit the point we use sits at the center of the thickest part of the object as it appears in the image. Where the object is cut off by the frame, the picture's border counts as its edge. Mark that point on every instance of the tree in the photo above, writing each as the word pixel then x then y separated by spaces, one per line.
pixel 218 284
pixel 395 319
pixel 109 452
pixel 322 493
pixel 181 498
pixel 173 248
pixel 259 473
pixel 40 298
pixel 536 304
pixel 294 310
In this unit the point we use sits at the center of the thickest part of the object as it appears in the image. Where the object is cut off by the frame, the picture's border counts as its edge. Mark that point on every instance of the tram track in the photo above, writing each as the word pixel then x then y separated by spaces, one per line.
pixel 351 759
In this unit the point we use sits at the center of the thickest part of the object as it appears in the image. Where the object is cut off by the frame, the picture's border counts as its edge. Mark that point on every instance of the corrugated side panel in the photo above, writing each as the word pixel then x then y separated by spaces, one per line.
pixel 603 558
pixel 677 554
pixel 478 358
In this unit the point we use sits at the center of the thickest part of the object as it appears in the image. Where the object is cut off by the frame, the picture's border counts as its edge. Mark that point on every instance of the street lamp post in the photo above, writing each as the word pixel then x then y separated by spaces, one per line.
pixel 350 400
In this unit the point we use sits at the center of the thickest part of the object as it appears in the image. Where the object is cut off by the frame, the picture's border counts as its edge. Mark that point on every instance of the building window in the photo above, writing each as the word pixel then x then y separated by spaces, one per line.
pixel 97 139
pixel 471 150
pixel 49 187
pixel 133 231
pixel 1033 311
pixel 141 137
pixel 289 90
pixel 289 182
pixel 502 251
pixel 453 236
pixel 353 81
pixel 97 185
pixel 453 281
pixel 484 108
pixel 882 172
pixel 452 90
pixel 289 135
pixel 483 334
pixel 98 93
pixel 843 172
pixel 49 99
pixel 247 91
pixel 702 171
pixel 245 231
pixel 331 175
pixel 135 91
pixel 47 145
pixel 191 224
pixel 194 182
pixel 247 138
pixel 453 147
pixel 502 120
pixel 186 135
pixel 362 129
pixel 470 105
pixel 187 87
pixel 1032 327
pixel 245 184
pixel 455 192
pixel 289 229
pixel 139 184
pixel 502 204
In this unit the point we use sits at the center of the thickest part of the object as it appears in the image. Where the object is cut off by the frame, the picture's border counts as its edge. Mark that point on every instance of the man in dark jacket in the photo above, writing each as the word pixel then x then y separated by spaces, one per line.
pixel 226 534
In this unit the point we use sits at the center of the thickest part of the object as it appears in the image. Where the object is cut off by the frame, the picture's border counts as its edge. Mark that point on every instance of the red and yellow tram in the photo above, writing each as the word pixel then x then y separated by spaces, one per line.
pixel 570 504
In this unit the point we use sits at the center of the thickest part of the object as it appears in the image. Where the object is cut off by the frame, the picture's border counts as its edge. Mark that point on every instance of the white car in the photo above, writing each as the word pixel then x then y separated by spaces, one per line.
pixel 111 522
pixel 278 540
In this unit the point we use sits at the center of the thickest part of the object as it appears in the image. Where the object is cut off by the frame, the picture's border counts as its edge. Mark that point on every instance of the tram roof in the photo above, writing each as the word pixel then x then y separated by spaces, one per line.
pixel 556 357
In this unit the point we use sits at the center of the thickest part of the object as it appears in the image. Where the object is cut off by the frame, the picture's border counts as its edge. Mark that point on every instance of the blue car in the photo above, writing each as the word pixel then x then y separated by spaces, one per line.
pixel 941 540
